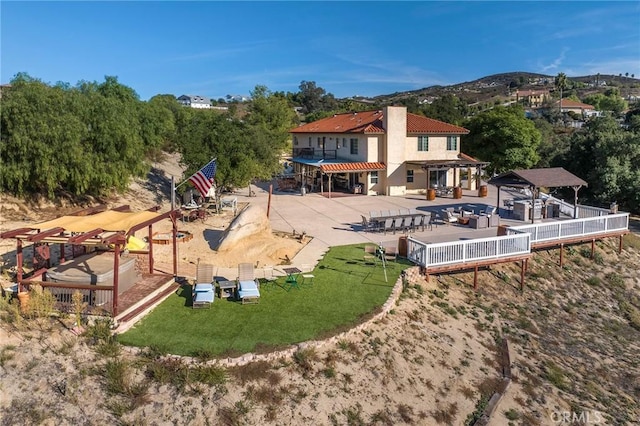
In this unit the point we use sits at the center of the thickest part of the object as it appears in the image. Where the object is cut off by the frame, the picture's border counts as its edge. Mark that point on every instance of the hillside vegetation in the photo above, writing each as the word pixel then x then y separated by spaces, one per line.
pixel 574 334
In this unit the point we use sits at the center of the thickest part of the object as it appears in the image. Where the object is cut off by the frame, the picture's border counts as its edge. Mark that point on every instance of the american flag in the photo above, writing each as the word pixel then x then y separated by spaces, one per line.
pixel 203 178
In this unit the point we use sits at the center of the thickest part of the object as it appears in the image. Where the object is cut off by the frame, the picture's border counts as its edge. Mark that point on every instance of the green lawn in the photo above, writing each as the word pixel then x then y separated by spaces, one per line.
pixel 344 291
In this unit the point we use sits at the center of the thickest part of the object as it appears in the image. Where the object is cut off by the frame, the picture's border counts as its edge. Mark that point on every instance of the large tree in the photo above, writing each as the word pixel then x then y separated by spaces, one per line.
pixel 504 137
pixel 245 149
pixel 607 157
pixel 83 140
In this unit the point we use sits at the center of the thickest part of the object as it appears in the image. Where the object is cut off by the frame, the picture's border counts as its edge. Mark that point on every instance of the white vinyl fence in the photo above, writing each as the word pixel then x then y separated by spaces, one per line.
pixel 566 229
pixel 455 252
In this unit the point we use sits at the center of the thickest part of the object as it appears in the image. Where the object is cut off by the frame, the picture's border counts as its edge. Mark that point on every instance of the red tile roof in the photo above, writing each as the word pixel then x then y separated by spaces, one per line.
pixel 351 167
pixel 568 103
pixel 372 122
pixel 420 124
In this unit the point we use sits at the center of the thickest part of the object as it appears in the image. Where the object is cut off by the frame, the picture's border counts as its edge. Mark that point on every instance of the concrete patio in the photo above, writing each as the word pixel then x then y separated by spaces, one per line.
pixel 337 220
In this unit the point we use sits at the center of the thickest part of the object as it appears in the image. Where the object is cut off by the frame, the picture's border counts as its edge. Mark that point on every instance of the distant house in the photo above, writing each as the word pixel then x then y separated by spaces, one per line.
pixel 532 98
pixel 569 105
pixel 195 101
pixel 386 151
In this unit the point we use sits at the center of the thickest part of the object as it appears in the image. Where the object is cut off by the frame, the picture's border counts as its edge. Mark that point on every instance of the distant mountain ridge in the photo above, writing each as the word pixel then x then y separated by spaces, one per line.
pixel 491 85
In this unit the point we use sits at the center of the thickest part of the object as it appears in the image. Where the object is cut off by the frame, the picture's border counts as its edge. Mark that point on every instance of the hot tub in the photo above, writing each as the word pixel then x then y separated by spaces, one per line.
pixel 96 269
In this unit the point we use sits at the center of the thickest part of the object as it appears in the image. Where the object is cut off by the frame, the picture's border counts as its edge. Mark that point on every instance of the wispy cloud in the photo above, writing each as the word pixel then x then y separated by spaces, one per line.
pixel 555 64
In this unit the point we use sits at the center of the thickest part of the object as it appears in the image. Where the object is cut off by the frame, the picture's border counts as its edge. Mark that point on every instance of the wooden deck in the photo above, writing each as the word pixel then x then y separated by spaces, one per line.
pixel 516 246
pixel 142 290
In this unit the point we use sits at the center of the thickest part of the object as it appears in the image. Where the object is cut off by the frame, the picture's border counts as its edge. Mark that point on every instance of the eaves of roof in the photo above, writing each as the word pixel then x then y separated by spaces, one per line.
pixel 351 167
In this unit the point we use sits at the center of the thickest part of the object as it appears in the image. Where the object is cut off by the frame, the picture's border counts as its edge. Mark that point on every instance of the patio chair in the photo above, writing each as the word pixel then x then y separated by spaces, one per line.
pixel 424 221
pixel 449 217
pixel 370 255
pixel 489 210
pixel 390 253
pixel 307 274
pixel 403 224
pixel 203 293
pixel 248 285
pixel 269 277
pixel 389 225
pixel 368 225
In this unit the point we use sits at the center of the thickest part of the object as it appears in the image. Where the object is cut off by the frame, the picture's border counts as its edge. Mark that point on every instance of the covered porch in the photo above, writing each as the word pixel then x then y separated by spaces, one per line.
pixel 443 177
pixel 330 176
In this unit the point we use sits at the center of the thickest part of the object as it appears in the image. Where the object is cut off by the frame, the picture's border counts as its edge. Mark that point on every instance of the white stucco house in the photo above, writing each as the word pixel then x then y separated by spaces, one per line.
pixel 386 151
pixel 195 101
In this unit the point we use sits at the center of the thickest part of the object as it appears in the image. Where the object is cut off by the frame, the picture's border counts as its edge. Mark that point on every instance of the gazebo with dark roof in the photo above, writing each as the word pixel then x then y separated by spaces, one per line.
pixel 534 179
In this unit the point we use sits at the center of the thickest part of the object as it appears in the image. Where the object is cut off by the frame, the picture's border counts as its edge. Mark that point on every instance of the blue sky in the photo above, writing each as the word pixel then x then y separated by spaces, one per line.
pixel 215 48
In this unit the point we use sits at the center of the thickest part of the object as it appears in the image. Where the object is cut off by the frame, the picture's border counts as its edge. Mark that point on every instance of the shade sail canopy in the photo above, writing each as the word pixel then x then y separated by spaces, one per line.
pixel 108 221
pixel 552 177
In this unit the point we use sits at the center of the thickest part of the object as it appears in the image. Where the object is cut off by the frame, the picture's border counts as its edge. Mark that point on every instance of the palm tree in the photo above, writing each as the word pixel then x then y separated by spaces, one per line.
pixel 561 84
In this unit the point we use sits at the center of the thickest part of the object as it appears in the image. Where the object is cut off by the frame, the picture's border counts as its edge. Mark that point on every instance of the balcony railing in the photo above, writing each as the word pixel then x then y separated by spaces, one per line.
pixel 315 154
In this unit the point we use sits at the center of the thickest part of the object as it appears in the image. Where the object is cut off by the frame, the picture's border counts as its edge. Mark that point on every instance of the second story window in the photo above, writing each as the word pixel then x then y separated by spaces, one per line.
pixel 452 143
pixel 423 143
pixel 309 140
pixel 354 146
pixel 319 142
pixel 295 140
pixel 409 176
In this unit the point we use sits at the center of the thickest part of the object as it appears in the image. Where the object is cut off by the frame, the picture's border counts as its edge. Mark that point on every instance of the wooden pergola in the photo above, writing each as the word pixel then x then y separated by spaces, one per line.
pixel 463 161
pixel 534 179
pixel 90 227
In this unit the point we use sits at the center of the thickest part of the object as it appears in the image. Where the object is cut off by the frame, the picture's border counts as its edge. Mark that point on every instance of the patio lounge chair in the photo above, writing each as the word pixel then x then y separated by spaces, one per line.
pixel 449 217
pixel 248 286
pixel 203 293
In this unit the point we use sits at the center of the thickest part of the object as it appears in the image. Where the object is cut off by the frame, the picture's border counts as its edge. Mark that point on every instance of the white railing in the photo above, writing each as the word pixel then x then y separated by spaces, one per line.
pixel 566 229
pixel 455 252
pixel 582 210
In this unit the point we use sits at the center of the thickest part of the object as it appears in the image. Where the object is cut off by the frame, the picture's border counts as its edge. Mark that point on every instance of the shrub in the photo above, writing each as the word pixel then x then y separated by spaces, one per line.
pixel 556 376
pixel 304 359
pixel 615 280
pixel 42 302
pixel 79 305
pixel 512 414
pixel 631 313
pixel 253 371
pixel 593 281
pixel 447 414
